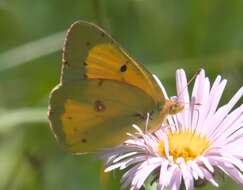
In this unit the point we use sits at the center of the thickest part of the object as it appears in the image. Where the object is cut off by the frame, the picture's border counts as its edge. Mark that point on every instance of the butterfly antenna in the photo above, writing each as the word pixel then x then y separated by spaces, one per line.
pixel 195 129
pixel 189 82
pixel 192 116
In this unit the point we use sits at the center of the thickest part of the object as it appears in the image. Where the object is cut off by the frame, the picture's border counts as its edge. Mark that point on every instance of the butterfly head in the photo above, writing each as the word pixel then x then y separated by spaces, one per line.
pixel 171 107
pixel 174 106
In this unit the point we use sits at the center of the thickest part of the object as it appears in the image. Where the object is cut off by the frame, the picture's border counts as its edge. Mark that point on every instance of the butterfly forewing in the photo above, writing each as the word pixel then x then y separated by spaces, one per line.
pixel 90 53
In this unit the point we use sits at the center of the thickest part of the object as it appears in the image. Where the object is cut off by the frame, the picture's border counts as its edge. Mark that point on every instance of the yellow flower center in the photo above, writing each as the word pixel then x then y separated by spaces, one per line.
pixel 187 145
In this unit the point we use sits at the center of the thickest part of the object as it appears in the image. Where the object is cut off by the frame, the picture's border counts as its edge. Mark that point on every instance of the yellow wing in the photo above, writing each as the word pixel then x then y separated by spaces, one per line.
pixel 102 92
pixel 85 117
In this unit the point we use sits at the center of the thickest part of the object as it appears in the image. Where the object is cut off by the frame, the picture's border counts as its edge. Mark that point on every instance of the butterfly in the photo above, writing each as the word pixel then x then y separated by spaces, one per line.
pixel 102 92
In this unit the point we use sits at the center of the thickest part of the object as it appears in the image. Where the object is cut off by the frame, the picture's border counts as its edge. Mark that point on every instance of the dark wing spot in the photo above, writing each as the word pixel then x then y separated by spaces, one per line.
pixel 83 140
pixel 69 117
pixel 85 76
pixel 143 116
pixel 99 106
pixel 65 62
pixel 100 82
pixel 140 116
pixel 151 115
pixel 123 68
pixel 84 63
pixel 102 34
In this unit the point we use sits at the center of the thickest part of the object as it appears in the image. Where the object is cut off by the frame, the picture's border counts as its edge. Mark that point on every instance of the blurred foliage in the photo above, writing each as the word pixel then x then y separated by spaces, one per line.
pixel 164 35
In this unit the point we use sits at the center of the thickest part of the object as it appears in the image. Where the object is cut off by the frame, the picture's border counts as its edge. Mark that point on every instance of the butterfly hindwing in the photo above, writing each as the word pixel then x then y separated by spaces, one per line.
pixel 87 119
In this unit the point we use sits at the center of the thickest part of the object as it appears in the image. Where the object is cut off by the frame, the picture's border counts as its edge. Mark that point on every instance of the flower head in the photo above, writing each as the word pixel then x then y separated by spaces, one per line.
pixel 190 146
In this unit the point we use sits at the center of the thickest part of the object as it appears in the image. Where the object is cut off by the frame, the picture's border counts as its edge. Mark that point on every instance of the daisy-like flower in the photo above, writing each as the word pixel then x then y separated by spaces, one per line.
pixel 191 146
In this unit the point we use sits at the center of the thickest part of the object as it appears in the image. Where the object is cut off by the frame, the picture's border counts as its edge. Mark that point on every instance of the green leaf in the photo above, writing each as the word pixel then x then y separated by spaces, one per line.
pixel 13 118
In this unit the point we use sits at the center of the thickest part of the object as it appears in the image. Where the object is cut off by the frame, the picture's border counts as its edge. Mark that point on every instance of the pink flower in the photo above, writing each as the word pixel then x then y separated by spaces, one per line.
pixel 191 146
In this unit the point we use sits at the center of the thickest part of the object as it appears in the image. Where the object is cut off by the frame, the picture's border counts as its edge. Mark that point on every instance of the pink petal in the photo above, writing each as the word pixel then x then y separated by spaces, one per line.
pixel 163 174
pixel 222 112
pixel 175 183
pixel 183 96
pixel 209 177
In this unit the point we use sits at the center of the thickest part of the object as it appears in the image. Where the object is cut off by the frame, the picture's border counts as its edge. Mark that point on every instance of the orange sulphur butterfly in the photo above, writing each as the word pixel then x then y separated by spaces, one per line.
pixel 102 92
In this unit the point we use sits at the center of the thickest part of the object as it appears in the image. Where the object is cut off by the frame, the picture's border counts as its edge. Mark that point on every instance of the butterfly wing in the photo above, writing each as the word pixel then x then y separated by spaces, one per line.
pixel 88 119
pixel 90 53
pixel 102 92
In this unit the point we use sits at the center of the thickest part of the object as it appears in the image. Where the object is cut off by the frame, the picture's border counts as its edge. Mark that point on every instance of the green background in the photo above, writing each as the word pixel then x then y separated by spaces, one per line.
pixel 163 35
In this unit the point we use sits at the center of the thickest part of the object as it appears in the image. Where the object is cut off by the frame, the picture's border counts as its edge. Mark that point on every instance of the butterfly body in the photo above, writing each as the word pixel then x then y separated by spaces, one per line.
pixel 102 92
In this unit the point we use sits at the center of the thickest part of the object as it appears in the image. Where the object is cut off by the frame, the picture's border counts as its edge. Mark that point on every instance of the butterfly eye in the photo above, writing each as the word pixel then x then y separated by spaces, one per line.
pixel 87 44
pixel 174 109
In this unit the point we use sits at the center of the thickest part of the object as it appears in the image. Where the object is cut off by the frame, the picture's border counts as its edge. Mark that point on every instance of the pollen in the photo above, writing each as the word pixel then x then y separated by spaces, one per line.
pixel 185 144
